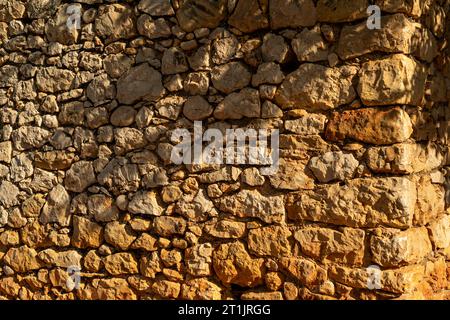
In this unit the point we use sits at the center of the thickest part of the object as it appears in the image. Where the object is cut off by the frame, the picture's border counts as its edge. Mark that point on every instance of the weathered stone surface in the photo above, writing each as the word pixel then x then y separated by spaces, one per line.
pixel 114 22
pixel 440 232
pixel 22 259
pixel 141 82
pixel 28 137
pixel 86 234
pixel 54 80
pixel 56 208
pixel 333 166
pixel 309 46
pixel 394 80
pixel 360 203
pixel 153 29
pixel 195 207
pixel 198 260
pixel 268 73
pixel 194 14
pixel 119 235
pixel 398 34
pixel 230 77
pixel 322 244
pixel 111 289
pixel 80 176
pixel 121 263
pixel 399 280
pixel 274 48
pixel 248 16
pixel 200 289
pixel 57 29
pixel 238 105
pixel 233 264
pixel 292 14
pixel 145 202
pixel 103 208
pixel 391 248
pixel 128 139
pixel 313 86
pixel 53 160
pixel 404 158
pixel 270 241
pixel 341 10
pixel 8 194
pixel 174 61
pixel 305 271
pixel 411 7
pixel 291 175
pixel 226 229
pixel 167 226
pixel 197 108
pixel 156 7
pixel 308 124
pixel 251 203
pixel 370 125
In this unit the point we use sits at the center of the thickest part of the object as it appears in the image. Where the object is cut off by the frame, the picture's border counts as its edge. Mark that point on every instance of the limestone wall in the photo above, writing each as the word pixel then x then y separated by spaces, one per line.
pixel 92 205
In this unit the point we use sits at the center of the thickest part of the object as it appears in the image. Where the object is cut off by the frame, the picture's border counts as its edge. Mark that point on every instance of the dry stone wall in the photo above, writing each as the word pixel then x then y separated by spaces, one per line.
pixel 92 207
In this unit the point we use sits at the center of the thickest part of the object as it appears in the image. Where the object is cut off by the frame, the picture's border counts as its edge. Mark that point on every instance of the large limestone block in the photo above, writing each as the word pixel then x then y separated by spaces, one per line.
pixel 313 86
pixel 370 125
pixel 404 158
pixel 395 80
pixel 360 203
pixel 323 244
pixel 391 247
pixel 394 36
pixel 251 203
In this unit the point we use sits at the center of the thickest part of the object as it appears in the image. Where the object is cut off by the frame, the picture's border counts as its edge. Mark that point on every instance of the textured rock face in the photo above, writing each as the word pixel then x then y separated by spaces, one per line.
pixel 396 80
pixel 316 87
pixel 92 115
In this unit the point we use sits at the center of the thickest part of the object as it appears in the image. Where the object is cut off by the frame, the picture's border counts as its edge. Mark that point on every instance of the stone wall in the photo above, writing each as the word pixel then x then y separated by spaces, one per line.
pixel 88 190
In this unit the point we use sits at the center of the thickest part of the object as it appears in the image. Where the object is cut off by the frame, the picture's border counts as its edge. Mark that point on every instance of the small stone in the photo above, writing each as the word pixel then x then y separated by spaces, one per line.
pixel 333 166
pixel 197 108
pixel 167 226
pixel 56 208
pixel 121 263
pixel 252 177
pixel 119 235
pixel 8 194
pixel 174 61
pixel 80 176
pixel 123 116
pixel 274 48
pixel 141 82
pixel 230 77
pixel 309 46
pixel 196 83
pixel 251 203
pixel 238 105
pixel 233 264
pixel 145 202
pixel 86 234
pixel 268 73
